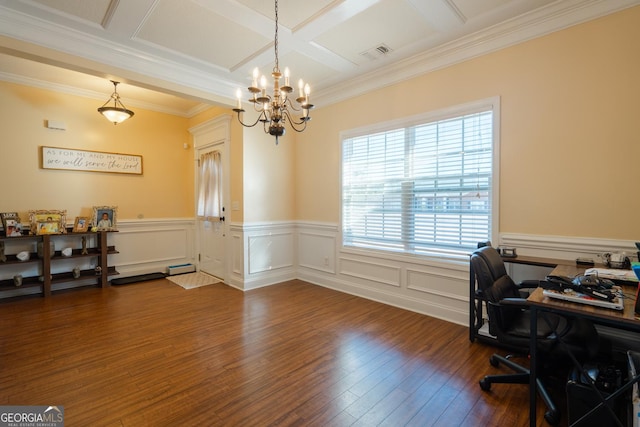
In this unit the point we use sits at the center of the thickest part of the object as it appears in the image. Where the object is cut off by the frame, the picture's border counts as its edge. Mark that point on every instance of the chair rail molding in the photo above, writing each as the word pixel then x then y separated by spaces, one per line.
pixel 568 248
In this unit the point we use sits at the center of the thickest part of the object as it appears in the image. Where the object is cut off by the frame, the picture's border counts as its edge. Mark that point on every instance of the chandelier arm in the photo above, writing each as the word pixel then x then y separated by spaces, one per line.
pixel 243 123
pixel 290 104
pixel 294 124
pixel 261 109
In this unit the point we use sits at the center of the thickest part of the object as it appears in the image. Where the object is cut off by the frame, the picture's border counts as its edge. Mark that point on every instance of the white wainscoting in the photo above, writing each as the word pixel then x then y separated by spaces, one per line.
pixel 149 246
pixel 262 254
pixel 431 286
pixel 435 287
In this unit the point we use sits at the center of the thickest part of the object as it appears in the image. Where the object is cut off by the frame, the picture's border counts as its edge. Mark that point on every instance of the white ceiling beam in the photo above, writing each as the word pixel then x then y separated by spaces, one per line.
pixel 129 16
pixel 440 14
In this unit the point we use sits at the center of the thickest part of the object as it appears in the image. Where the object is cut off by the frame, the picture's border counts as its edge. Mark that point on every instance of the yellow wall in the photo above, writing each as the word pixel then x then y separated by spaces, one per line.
pixel 268 176
pixel 165 190
pixel 262 173
pixel 569 144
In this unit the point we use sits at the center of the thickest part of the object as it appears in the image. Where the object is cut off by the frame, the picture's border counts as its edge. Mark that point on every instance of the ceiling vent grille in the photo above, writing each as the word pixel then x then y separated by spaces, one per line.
pixel 376 52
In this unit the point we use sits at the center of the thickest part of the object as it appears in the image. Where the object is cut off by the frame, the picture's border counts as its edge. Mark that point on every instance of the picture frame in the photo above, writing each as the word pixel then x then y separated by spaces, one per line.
pixel 48 221
pixel 12 228
pixel 81 224
pixel 105 218
pixel 90 161
pixel 9 216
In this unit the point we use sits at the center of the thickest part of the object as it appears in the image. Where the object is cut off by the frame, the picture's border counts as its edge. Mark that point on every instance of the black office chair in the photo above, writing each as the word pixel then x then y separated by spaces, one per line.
pixel 510 324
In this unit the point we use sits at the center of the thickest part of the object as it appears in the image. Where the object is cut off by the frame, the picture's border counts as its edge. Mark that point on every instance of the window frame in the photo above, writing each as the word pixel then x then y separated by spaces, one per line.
pixel 492 104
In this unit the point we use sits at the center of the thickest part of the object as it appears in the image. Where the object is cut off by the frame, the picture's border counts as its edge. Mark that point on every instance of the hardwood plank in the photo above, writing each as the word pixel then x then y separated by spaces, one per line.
pixel 292 354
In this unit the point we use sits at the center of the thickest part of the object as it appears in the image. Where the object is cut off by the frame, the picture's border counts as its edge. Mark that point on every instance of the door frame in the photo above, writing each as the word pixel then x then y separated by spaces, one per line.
pixel 207 135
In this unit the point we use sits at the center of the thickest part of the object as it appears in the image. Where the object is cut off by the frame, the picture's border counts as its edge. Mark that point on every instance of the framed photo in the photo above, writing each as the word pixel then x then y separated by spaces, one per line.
pixel 9 216
pixel 105 217
pixel 13 228
pixel 81 224
pixel 48 222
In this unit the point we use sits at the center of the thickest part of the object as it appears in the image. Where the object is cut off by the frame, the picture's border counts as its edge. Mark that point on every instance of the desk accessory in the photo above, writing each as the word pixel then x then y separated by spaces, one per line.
pixel 616 260
pixel 573 296
pixel 507 252
pixel 636 269
pixel 590 285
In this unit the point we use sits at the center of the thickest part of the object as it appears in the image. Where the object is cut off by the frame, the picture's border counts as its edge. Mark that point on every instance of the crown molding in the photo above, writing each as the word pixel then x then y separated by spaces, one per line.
pixel 543 21
pixel 208 82
pixel 183 74
pixel 100 96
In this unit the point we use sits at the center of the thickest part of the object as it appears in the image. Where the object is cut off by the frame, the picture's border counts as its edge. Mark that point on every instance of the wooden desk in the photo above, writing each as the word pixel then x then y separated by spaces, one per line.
pixel 625 319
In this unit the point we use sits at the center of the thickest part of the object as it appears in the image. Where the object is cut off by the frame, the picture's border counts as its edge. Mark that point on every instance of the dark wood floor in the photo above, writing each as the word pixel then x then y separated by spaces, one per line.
pixel 155 354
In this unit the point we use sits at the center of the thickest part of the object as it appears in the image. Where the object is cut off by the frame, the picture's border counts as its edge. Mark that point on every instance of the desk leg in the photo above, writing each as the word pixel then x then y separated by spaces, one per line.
pixel 472 304
pixel 533 369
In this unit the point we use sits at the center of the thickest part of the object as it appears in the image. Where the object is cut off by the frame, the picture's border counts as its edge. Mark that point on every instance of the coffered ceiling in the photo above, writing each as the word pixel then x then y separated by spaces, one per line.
pixel 174 55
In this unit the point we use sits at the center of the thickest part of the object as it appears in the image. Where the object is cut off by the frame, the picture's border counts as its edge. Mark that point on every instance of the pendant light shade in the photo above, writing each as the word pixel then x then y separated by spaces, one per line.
pixel 116 113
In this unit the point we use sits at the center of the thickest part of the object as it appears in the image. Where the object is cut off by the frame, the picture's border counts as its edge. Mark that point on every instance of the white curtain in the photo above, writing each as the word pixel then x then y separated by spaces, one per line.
pixel 210 192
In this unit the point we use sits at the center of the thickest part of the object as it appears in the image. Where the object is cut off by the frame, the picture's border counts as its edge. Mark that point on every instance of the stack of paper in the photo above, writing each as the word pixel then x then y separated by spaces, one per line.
pixel 613 274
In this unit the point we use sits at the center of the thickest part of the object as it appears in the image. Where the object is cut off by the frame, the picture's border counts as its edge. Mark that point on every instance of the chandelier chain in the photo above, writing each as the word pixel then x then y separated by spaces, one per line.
pixel 277 66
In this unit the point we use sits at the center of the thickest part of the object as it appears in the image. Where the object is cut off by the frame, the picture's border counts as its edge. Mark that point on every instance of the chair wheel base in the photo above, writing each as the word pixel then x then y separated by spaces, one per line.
pixel 494 361
pixel 552 417
pixel 485 385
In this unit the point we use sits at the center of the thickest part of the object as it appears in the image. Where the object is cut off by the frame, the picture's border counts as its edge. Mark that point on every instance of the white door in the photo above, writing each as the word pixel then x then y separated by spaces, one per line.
pixel 211 222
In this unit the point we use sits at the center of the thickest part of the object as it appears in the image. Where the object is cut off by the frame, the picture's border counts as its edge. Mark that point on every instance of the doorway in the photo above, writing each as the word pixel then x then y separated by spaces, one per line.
pixel 211 196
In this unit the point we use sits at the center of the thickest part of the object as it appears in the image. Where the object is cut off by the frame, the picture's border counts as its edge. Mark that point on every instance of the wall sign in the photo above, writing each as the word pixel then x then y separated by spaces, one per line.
pixel 90 161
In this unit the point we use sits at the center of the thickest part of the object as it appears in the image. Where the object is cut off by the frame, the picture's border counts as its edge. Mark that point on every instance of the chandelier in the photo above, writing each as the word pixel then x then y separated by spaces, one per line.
pixel 118 113
pixel 274 111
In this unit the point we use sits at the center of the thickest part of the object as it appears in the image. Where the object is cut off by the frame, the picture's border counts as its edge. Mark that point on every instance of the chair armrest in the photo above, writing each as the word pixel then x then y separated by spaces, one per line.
pixel 528 284
pixel 511 302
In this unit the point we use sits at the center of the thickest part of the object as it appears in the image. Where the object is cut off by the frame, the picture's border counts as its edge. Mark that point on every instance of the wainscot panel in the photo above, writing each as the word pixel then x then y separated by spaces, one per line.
pixel 267 252
pixel 370 271
pixel 319 253
pixel 149 246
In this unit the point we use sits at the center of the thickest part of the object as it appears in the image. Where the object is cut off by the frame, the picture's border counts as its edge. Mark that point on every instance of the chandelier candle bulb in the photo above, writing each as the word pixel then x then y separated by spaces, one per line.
pixel 286 76
pixel 301 87
pixel 263 85
pixel 239 96
pixel 256 74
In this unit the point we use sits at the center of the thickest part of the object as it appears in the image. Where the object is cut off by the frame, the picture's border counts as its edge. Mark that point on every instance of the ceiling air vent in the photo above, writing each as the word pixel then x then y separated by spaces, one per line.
pixel 376 52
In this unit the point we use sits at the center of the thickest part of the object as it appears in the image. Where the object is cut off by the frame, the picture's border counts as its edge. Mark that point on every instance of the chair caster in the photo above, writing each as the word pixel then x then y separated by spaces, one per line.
pixel 552 417
pixel 485 385
pixel 493 360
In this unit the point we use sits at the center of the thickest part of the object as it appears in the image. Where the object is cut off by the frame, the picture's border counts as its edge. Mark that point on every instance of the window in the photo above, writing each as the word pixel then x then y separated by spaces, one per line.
pixel 422 185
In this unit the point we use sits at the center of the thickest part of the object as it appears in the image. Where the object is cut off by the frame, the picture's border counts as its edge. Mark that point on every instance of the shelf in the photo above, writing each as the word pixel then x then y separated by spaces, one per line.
pixel 84 274
pixel 27 282
pixel 12 259
pixel 42 265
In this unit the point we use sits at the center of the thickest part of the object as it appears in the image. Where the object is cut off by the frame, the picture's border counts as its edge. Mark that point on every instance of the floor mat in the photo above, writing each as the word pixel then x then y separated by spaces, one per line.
pixel 193 280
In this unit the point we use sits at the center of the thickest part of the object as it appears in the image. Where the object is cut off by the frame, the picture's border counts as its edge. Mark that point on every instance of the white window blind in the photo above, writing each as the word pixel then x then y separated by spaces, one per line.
pixel 421 188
